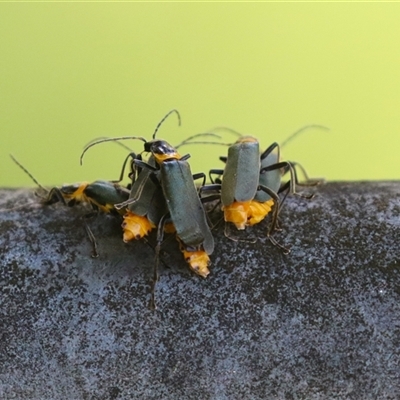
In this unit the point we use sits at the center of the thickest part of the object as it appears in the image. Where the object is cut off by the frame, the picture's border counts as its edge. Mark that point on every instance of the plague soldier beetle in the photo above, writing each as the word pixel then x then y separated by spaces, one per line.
pixel 185 211
pixel 144 214
pixel 241 183
pixel 149 206
pixel 100 195
pixel 251 183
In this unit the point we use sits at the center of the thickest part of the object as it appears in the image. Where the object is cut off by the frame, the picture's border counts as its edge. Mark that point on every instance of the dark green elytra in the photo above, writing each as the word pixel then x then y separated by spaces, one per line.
pixel 187 212
pixel 241 173
pixel 105 192
pixel 150 202
pixel 270 179
pixel 100 194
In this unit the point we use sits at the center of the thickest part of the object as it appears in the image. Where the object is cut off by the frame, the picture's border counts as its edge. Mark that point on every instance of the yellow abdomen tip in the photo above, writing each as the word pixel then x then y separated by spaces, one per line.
pixel 247 213
pixel 237 213
pixel 258 211
pixel 135 226
pixel 198 262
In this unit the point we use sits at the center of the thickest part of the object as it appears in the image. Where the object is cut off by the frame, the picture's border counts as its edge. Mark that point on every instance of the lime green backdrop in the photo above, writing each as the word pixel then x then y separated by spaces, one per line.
pixel 70 72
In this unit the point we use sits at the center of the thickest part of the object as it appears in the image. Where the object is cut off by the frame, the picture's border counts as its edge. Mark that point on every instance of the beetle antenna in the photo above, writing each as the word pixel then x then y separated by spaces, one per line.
pixel 287 140
pixel 109 140
pixel 107 137
pixel 28 173
pixel 188 140
pixel 222 144
pixel 195 136
pixel 165 117
pixel 225 128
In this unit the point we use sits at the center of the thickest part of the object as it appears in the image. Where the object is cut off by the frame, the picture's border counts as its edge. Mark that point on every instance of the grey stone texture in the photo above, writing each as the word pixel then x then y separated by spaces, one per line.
pixel 320 323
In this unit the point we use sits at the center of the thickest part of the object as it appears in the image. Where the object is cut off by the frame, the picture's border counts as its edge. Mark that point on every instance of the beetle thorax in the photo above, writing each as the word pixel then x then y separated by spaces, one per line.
pixel 161 150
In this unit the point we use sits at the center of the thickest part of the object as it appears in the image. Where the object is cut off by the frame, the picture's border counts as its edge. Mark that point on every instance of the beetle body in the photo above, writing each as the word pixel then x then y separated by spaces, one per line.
pixel 144 214
pixel 243 204
pixel 240 178
pixel 272 179
pixel 185 209
pixel 263 202
pixel 101 195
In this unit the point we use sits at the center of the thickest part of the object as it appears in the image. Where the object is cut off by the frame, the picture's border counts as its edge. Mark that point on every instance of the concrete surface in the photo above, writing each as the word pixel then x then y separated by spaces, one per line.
pixel 320 323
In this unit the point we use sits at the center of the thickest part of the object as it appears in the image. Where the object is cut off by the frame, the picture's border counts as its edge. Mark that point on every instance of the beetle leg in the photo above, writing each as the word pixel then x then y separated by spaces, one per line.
pixel 269 150
pixel 208 199
pixel 274 222
pixel 216 187
pixel 54 196
pixel 133 177
pixel 288 167
pixel 235 238
pixel 284 249
pixel 139 189
pixel 89 232
pixel 308 181
pixel 199 176
pixel 185 157
pixel 285 165
pixel 218 172
pixel 160 236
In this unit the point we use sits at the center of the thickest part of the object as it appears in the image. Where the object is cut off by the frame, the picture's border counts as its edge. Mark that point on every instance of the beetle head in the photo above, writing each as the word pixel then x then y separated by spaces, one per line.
pixel 247 139
pixel 161 150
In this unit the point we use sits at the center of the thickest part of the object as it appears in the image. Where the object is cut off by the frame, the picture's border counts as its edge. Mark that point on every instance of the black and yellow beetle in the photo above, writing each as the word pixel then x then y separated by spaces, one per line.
pixel 184 210
pixel 100 195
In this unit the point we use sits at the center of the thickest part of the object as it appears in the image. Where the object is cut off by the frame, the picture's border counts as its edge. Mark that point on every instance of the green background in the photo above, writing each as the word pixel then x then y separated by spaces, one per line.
pixel 70 72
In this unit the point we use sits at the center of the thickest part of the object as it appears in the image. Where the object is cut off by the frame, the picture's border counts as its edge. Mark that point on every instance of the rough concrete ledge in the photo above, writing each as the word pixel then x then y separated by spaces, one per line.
pixel 320 323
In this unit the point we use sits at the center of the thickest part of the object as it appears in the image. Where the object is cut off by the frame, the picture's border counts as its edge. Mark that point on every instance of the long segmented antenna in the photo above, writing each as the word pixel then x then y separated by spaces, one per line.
pixel 109 140
pixel 287 140
pixel 187 141
pixel 28 173
pixel 165 117
pixel 108 137
pixel 225 128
